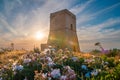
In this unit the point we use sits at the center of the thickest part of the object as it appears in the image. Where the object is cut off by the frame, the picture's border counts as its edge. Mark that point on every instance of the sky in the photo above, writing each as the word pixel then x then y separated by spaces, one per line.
pixel 22 20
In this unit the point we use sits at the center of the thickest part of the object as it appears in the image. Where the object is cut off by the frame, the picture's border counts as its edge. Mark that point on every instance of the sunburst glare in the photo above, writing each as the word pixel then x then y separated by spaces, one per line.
pixel 39 35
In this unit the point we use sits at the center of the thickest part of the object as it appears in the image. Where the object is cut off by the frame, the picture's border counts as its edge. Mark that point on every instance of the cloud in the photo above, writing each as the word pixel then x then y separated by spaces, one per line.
pixel 106 9
pixel 108 23
pixel 102 32
pixel 81 7
pixel 10 5
pixel 20 2
pixel 98 31
pixel 23 26
pixel 85 17
pixel 6 25
pixel 38 19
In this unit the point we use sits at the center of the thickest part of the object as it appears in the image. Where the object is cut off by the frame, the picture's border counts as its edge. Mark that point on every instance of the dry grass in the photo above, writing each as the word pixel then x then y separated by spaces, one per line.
pixel 7 57
pixel 83 55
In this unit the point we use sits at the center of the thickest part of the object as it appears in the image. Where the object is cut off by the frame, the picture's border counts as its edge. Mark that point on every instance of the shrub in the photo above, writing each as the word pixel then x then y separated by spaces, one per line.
pixel 113 53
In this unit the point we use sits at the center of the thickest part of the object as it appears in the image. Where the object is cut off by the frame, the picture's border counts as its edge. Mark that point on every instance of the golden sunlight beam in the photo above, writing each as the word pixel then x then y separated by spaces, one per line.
pixel 39 35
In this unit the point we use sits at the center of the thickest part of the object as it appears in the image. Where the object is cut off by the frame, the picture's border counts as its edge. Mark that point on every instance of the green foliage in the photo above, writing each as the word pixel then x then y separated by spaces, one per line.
pixel 116 72
pixel 36 50
pixel 28 71
pixel 111 62
pixel 95 51
pixel 7 74
pixel 113 52
pixel 104 57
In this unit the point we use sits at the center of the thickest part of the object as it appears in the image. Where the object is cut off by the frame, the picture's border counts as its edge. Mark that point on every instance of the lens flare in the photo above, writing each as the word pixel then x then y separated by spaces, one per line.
pixel 39 35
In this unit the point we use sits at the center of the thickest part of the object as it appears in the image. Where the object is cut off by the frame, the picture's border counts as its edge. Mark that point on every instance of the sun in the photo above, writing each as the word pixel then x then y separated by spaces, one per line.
pixel 39 35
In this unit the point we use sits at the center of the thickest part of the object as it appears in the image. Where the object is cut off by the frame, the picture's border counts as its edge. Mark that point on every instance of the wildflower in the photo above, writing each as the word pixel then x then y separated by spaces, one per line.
pixel 60 51
pixel 55 73
pixel 88 75
pixel 25 78
pixel 35 71
pixel 93 56
pixel 27 60
pixel 84 67
pixel 46 51
pixel 10 60
pixel 5 66
pixel 17 67
pixel 70 73
pixel 1 78
pixel 94 72
pixel 49 59
pixel 51 64
pixel 106 63
pixel 14 72
pixel 49 76
pixel 63 77
pixel 15 63
pixel 99 70
pixel 74 59
pixel 44 75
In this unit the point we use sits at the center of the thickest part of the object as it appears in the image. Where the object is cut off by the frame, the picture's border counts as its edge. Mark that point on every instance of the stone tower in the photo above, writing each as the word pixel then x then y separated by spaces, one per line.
pixel 63 31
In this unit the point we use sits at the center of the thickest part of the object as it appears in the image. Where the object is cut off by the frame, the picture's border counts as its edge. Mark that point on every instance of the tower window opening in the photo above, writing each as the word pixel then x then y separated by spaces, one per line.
pixel 71 26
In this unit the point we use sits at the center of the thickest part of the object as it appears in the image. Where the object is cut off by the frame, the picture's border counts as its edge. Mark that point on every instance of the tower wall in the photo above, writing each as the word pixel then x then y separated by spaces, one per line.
pixel 63 30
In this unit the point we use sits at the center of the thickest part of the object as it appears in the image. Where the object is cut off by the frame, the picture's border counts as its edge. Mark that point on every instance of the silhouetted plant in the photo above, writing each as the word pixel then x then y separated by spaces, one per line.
pixel 36 50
